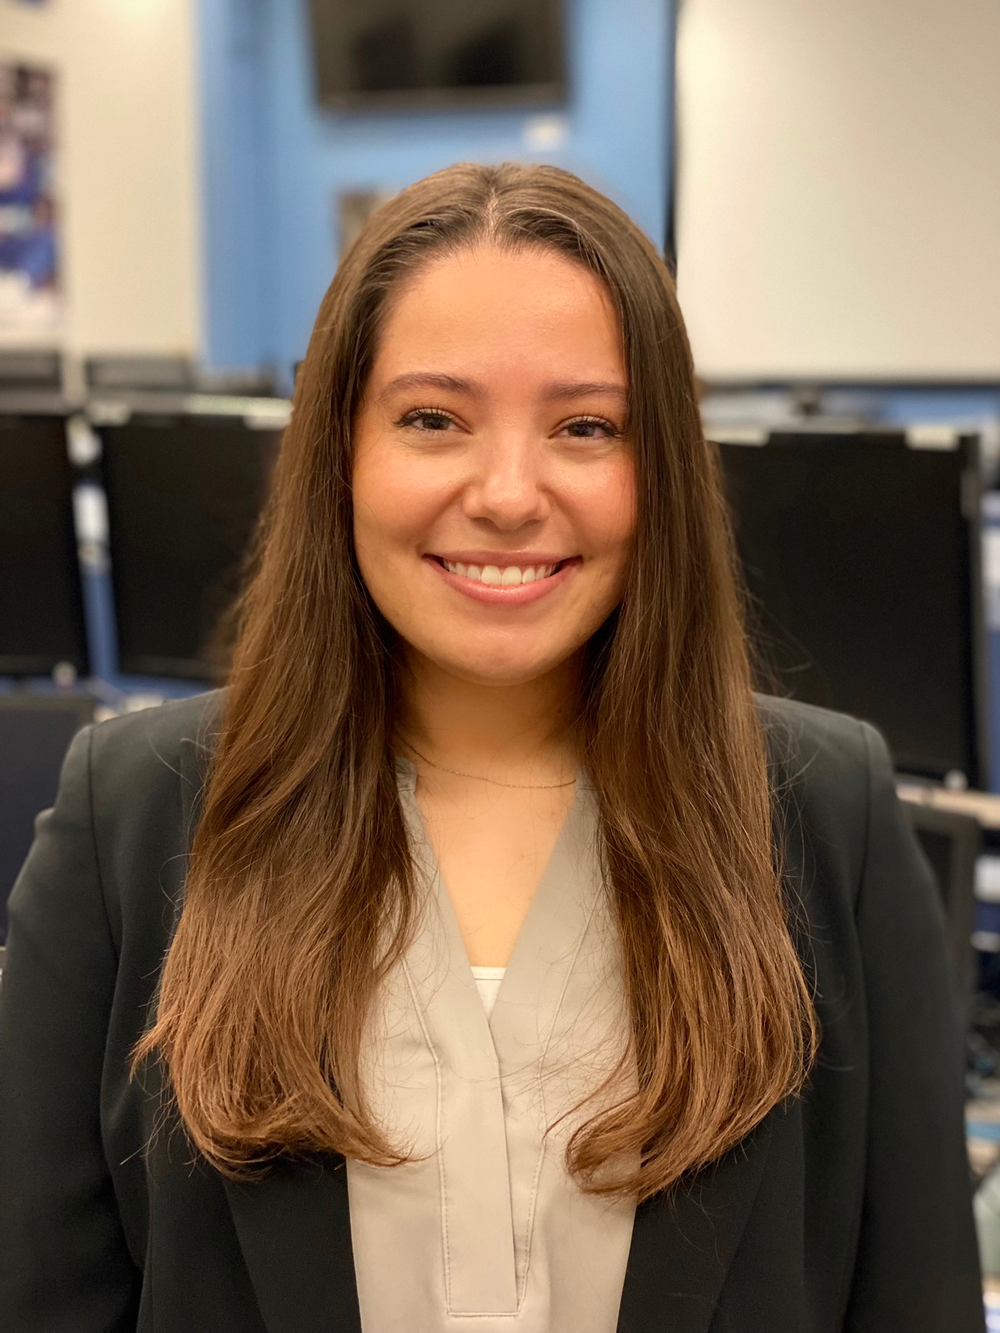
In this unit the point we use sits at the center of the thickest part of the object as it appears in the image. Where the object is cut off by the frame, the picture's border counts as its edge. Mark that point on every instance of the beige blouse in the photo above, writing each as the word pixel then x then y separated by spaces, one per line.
pixel 485 1232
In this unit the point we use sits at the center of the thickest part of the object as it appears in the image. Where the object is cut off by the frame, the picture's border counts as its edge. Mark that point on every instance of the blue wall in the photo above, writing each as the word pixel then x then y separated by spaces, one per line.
pixel 273 163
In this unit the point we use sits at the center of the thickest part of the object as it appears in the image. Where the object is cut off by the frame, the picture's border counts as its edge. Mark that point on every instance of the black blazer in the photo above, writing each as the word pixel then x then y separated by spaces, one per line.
pixel 848 1209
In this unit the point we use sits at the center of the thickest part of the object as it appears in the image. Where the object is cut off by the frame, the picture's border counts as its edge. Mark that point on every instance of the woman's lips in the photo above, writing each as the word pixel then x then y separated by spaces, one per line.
pixel 516 595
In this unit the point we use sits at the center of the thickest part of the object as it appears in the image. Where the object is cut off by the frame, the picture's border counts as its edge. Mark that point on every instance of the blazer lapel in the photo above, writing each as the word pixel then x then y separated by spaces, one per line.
pixel 683 1243
pixel 294 1229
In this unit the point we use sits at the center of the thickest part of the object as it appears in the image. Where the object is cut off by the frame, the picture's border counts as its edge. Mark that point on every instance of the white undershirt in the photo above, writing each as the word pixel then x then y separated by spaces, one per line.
pixel 488 981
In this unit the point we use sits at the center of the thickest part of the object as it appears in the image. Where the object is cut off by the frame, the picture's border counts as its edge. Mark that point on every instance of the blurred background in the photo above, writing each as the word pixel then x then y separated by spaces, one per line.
pixel 178 179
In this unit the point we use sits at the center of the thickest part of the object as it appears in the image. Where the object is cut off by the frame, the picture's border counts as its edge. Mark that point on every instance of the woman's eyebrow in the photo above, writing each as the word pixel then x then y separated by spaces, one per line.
pixel 421 379
pixel 557 391
pixel 582 389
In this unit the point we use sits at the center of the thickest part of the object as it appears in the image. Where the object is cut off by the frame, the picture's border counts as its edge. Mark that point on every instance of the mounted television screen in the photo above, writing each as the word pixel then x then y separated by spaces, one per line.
pixel 411 53
pixel 861 558
pixel 41 591
pixel 184 494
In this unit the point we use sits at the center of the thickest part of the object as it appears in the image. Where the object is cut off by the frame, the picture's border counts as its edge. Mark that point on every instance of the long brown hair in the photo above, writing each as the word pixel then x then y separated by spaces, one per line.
pixel 300 893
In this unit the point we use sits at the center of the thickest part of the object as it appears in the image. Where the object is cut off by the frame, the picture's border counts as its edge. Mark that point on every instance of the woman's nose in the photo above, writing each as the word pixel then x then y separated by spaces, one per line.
pixel 507 486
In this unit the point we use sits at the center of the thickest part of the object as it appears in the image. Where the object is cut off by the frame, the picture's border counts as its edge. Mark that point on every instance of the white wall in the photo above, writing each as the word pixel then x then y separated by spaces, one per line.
pixel 127 172
pixel 839 186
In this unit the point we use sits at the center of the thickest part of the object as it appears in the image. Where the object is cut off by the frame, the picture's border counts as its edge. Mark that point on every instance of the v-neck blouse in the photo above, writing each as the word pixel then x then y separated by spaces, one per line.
pixel 483 1230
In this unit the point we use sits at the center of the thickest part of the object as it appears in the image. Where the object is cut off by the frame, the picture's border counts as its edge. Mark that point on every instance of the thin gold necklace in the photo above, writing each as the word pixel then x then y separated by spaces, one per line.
pixel 520 786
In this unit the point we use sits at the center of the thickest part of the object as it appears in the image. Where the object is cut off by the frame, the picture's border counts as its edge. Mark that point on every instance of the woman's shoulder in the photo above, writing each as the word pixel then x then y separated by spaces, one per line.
pixel 809 748
pixel 814 751
pixel 834 790
pixel 815 746
pixel 826 767
pixel 149 763
pixel 152 738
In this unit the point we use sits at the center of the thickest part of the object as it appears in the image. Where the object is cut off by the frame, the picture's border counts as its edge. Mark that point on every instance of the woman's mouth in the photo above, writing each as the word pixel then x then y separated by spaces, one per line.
pixel 505 576
pixel 504 585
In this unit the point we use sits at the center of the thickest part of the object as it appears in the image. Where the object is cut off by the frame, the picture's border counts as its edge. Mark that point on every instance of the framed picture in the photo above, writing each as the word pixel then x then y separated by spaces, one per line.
pixel 30 292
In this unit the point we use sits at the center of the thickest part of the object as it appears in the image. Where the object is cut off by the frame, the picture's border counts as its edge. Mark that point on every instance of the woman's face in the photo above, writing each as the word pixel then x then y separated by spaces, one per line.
pixel 494 491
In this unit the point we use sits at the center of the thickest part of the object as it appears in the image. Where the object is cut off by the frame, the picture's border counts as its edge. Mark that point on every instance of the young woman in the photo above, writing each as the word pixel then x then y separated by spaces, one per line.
pixel 487 957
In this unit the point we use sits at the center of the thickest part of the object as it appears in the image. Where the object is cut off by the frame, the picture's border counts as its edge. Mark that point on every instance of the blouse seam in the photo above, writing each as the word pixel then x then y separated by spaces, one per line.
pixel 438 1134
pixel 540 1067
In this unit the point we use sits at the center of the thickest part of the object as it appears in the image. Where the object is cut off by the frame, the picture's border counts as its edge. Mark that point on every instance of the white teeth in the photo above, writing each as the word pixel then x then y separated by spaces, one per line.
pixel 508 577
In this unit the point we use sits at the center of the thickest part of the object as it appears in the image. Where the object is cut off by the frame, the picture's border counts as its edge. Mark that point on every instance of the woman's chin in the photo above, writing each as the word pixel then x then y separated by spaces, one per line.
pixel 493 667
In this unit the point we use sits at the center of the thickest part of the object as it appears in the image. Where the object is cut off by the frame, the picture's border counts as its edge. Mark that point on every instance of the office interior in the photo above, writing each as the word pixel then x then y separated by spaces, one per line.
pixel 179 178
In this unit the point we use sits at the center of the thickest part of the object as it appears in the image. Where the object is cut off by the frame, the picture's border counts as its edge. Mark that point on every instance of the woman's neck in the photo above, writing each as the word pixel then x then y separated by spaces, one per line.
pixel 506 733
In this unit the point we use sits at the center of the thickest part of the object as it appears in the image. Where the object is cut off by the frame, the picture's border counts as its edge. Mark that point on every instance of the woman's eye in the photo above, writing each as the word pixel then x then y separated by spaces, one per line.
pixel 427 419
pixel 591 428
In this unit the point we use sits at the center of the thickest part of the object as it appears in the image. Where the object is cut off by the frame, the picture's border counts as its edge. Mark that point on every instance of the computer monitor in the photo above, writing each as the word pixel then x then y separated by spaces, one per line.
pixel 30 368
pixel 41 590
pixel 169 374
pixel 861 556
pixel 431 53
pixel 35 733
pixel 184 494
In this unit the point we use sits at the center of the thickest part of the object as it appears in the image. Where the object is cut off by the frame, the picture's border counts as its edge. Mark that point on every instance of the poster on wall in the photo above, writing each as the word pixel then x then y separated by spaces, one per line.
pixel 29 249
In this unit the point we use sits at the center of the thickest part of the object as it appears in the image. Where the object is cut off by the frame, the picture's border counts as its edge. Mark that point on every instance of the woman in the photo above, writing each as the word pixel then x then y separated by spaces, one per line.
pixel 523 971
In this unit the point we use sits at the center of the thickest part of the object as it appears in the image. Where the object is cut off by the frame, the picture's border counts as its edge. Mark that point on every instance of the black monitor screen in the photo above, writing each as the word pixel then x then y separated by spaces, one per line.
pixel 41 594
pixel 859 562
pixel 184 494
pixel 408 52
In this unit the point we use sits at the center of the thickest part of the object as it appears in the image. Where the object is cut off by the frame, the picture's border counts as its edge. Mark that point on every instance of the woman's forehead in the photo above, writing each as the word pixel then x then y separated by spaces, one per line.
pixel 487 312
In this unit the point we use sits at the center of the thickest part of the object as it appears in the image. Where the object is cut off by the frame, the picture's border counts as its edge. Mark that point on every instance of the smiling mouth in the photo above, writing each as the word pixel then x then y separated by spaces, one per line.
pixel 502 576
